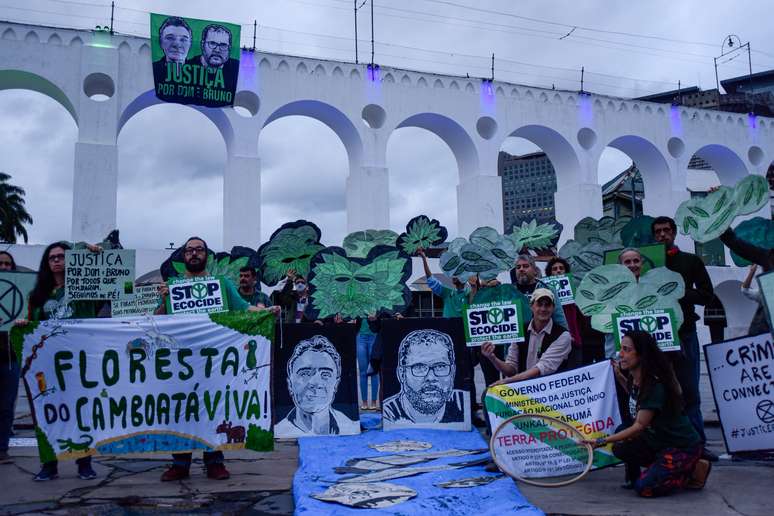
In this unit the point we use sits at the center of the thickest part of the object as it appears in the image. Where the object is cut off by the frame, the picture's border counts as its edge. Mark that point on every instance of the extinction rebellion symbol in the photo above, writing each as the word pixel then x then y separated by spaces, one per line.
pixel 11 301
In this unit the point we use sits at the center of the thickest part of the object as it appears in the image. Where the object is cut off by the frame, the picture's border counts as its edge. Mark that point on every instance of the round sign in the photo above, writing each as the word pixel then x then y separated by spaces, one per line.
pixel 540 450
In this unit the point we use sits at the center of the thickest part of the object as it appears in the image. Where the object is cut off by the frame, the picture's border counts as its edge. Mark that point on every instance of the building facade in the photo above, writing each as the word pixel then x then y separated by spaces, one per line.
pixel 529 184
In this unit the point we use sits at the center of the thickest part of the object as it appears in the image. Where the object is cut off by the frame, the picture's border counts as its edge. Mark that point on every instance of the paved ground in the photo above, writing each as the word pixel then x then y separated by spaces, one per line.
pixel 261 484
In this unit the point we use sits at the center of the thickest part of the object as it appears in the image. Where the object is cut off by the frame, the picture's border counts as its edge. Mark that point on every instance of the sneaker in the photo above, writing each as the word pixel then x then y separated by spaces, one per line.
pixel 86 472
pixel 699 476
pixel 218 471
pixel 175 472
pixel 47 472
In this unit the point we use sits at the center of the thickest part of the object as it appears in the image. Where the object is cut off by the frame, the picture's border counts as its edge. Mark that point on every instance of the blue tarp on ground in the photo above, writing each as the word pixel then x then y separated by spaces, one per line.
pixel 319 455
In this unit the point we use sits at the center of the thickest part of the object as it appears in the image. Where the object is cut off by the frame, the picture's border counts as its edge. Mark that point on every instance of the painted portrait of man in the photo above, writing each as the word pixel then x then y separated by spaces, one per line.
pixel 313 376
pixel 175 37
pixel 426 371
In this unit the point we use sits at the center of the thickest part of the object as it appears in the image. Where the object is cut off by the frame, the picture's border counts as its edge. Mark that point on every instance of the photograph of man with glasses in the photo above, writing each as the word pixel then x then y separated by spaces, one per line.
pixel 427 397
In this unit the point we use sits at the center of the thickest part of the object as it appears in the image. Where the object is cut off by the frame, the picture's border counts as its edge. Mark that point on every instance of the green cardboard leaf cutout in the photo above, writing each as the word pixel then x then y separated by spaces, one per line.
pixel 584 257
pixel 359 243
pixel 532 235
pixel 606 230
pixel 222 264
pixel 487 253
pixel 357 287
pixel 292 246
pixel 757 231
pixel 706 218
pixel 611 289
pixel 421 233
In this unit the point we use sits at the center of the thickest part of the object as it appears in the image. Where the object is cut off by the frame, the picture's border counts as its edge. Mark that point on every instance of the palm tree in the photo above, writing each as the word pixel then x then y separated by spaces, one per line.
pixel 13 214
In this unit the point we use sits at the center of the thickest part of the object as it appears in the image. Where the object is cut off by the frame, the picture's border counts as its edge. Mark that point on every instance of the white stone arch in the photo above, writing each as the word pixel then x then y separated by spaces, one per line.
pixel 558 149
pixel 332 117
pixel 453 134
pixel 657 179
pixel 726 163
pixel 148 99
pixel 22 80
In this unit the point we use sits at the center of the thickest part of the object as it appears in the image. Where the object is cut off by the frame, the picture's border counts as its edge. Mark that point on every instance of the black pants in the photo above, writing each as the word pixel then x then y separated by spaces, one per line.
pixel 184 459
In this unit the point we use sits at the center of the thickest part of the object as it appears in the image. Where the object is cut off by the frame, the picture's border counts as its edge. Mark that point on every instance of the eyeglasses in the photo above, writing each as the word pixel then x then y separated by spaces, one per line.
pixel 440 369
pixel 212 45
pixel 191 250
pixel 56 258
pixel 7 264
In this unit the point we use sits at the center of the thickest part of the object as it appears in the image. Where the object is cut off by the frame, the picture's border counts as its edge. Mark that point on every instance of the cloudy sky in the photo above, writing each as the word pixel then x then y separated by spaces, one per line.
pixel 304 163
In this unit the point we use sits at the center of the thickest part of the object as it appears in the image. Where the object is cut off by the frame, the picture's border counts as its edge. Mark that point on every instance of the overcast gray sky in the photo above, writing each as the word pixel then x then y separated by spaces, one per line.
pixel 304 164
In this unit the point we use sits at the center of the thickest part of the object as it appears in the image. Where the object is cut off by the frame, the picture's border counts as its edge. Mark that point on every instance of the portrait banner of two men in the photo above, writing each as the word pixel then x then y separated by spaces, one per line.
pixel 194 61
pixel 425 377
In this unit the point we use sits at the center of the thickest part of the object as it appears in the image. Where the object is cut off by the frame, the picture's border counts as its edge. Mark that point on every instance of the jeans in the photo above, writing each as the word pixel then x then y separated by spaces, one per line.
pixel 686 366
pixel 9 388
pixel 365 345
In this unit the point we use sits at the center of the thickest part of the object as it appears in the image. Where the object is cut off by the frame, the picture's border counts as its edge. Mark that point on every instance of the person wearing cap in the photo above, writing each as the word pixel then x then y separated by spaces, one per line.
pixel 546 347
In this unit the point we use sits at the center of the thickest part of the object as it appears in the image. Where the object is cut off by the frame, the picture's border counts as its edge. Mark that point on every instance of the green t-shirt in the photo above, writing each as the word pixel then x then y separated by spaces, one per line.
pixel 235 300
pixel 256 298
pixel 364 328
pixel 666 430
pixel 453 301
pixel 56 308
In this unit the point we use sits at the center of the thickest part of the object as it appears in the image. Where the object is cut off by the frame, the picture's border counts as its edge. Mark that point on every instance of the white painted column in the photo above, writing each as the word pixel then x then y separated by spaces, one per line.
pixel 479 203
pixel 95 187
pixel 368 198
pixel 574 202
pixel 242 202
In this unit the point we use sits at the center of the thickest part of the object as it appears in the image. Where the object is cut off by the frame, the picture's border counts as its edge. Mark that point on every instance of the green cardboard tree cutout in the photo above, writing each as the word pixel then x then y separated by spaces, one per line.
pixel 487 253
pixel 706 218
pixel 357 287
pixel 421 233
pixel 611 289
pixel 292 246
pixel 757 231
pixel 592 239
pixel 359 243
pixel 531 235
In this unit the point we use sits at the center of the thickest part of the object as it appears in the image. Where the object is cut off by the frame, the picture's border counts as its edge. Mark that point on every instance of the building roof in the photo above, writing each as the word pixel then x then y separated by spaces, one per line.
pixel 730 85
pixel 669 96
pixel 623 183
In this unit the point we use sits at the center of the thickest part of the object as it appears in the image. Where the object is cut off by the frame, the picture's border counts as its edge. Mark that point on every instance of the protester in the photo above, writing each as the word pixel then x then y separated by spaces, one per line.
pixel 47 302
pixel 764 258
pixel 557 266
pixel 195 260
pixel 453 299
pixel 661 437
pixel 250 291
pixel 545 350
pixel 9 375
pixel 294 299
pixel 366 338
pixel 698 291
pixel 525 274
pixel 631 258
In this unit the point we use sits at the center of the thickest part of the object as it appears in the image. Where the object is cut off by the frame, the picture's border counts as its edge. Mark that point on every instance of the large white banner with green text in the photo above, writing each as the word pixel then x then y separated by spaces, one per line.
pixel 148 384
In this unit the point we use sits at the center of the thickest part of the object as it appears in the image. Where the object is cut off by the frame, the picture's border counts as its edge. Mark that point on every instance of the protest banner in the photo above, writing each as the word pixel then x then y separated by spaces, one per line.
pixel 426 378
pixel 562 287
pixel 148 384
pixel 314 378
pixel 741 373
pixel 585 398
pixel 196 296
pixel 106 275
pixel 661 324
pixel 194 61
pixel 766 286
pixel 143 302
pixel 495 321
pixel 15 288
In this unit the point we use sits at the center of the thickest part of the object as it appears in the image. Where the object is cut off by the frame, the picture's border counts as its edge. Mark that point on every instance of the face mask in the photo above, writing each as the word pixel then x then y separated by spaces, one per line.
pixel 300 287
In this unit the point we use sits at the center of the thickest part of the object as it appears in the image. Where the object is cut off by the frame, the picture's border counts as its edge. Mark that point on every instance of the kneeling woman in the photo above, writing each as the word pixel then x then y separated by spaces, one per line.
pixel 661 439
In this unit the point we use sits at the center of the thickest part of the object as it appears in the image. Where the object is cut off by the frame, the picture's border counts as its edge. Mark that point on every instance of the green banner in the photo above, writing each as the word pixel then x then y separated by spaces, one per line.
pixel 194 61
pixel 661 324
pixel 496 321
